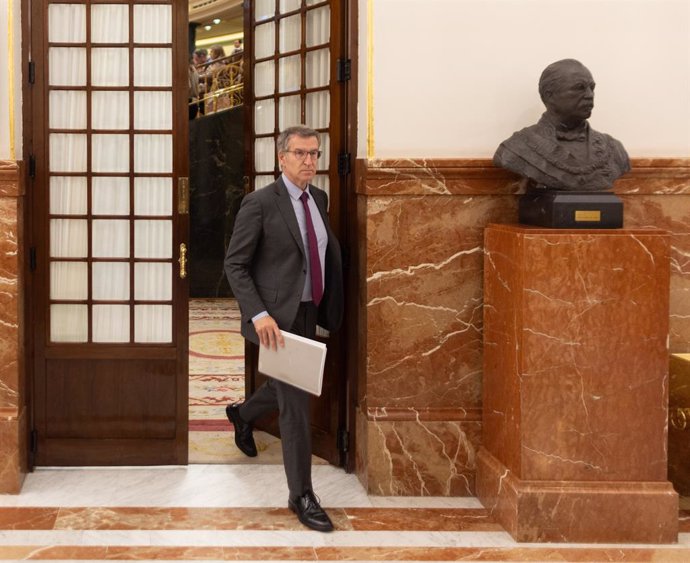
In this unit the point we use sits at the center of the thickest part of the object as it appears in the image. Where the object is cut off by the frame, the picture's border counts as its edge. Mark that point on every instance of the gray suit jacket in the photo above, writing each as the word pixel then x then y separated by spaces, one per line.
pixel 266 262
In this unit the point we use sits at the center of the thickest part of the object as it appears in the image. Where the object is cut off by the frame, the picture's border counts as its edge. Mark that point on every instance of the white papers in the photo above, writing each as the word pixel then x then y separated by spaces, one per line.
pixel 299 363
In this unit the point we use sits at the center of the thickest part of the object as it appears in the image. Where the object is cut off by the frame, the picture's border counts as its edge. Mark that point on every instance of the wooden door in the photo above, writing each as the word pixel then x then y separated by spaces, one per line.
pixel 296 53
pixel 108 211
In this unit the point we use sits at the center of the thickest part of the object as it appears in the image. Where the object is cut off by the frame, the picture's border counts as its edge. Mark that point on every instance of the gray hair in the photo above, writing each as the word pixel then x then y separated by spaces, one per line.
pixel 296 130
pixel 550 78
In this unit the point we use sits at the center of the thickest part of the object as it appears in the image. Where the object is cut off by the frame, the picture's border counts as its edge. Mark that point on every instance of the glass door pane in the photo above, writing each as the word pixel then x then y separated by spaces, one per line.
pixel 293 85
pixel 290 33
pixel 264 9
pixel 110 167
pixel 318 26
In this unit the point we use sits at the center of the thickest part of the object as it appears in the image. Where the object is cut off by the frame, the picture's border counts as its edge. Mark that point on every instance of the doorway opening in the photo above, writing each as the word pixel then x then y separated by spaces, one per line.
pixel 216 155
pixel 282 64
pixel 108 199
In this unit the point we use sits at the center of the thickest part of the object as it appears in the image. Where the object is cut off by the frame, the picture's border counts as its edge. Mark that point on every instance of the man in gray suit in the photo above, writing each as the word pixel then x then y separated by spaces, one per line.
pixel 285 269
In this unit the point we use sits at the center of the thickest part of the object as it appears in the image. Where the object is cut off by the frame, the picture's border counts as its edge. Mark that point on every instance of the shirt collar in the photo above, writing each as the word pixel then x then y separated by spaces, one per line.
pixel 294 191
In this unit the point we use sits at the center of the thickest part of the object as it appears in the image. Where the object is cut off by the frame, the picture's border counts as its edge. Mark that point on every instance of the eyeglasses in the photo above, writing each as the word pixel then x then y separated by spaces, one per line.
pixel 302 155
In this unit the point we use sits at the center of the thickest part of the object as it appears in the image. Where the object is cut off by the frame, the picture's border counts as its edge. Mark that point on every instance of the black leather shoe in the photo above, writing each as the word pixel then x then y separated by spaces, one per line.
pixel 244 437
pixel 310 513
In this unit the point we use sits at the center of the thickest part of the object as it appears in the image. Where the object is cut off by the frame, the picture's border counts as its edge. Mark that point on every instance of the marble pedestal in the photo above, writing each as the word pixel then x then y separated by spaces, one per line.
pixel 679 419
pixel 575 388
pixel 13 407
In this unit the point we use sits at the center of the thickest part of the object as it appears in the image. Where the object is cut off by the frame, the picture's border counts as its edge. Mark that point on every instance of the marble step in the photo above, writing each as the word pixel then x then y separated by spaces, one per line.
pixel 273 534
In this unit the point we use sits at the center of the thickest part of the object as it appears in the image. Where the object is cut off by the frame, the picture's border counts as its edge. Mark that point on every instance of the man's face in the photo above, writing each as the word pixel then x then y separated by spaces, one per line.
pixel 572 98
pixel 199 59
pixel 299 171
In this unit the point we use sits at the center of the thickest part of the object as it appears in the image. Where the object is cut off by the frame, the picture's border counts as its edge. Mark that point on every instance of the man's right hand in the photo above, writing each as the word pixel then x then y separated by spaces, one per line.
pixel 269 333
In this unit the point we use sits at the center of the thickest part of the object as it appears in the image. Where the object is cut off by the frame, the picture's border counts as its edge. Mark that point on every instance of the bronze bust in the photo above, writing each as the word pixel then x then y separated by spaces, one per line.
pixel 561 151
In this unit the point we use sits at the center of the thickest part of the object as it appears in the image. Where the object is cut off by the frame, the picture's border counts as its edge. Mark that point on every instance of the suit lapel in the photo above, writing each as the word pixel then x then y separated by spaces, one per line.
pixel 284 204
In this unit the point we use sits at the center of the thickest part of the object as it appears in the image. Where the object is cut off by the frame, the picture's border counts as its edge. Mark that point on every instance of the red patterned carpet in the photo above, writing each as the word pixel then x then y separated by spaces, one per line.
pixel 216 378
pixel 216 362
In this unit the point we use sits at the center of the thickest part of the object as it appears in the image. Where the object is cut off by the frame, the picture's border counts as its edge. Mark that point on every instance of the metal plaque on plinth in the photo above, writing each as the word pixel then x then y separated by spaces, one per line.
pixel 571 210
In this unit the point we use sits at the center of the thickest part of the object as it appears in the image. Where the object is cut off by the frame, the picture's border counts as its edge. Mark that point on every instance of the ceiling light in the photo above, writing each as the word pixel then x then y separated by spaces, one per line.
pixel 207 27
pixel 216 21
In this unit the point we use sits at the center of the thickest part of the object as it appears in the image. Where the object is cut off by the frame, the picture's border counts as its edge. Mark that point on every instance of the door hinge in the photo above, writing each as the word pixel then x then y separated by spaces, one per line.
pixel 32 259
pixel 343 441
pixel 344 167
pixel 32 166
pixel 344 72
pixel 33 442
pixel 32 72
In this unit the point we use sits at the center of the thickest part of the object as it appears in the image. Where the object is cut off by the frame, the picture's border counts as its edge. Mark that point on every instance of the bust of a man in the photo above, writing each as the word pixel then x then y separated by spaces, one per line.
pixel 562 151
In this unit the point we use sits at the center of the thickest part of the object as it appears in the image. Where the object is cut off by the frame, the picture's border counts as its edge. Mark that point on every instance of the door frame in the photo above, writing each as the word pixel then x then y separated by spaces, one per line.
pixel 350 241
pixel 345 222
pixel 35 93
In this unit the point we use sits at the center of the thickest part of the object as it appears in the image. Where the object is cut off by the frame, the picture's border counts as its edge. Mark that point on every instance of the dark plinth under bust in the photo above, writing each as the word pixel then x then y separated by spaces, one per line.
pixel 571 210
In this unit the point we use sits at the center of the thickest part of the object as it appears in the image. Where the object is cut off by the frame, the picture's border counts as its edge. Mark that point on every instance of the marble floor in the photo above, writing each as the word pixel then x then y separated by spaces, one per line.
pixel 238 512
pixel 227 507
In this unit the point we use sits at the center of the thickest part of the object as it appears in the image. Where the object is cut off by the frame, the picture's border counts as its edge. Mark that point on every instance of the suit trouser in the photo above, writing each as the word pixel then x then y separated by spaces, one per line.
pixel 294 415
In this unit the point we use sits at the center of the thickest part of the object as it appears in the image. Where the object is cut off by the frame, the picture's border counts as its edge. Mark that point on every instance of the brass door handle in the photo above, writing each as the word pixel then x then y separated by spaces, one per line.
pixel 183 260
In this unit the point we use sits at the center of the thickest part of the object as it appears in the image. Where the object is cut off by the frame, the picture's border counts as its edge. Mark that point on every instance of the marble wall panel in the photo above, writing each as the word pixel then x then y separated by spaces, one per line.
pixel 13 458
pixel 11 173
pixel 437 177
pixel 13 431
pixel 660 176
pixel 9 304
pixel 421 458
pixel 424 298
pixel 671 213
pixel 360 296
pixel 420 227
pixel 9 460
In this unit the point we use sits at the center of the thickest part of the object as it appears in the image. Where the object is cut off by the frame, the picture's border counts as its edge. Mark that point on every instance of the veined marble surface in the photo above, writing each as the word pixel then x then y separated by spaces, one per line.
pixel 201 486
pixel 238 512
pixel 421 225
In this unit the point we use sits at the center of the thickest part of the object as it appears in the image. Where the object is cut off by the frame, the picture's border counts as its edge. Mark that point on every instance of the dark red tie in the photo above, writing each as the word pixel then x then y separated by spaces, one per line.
pixel 314 262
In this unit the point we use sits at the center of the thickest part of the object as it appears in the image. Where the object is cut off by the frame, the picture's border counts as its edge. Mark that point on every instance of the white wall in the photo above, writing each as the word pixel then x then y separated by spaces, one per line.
pixel 471 78
pixel 10 109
